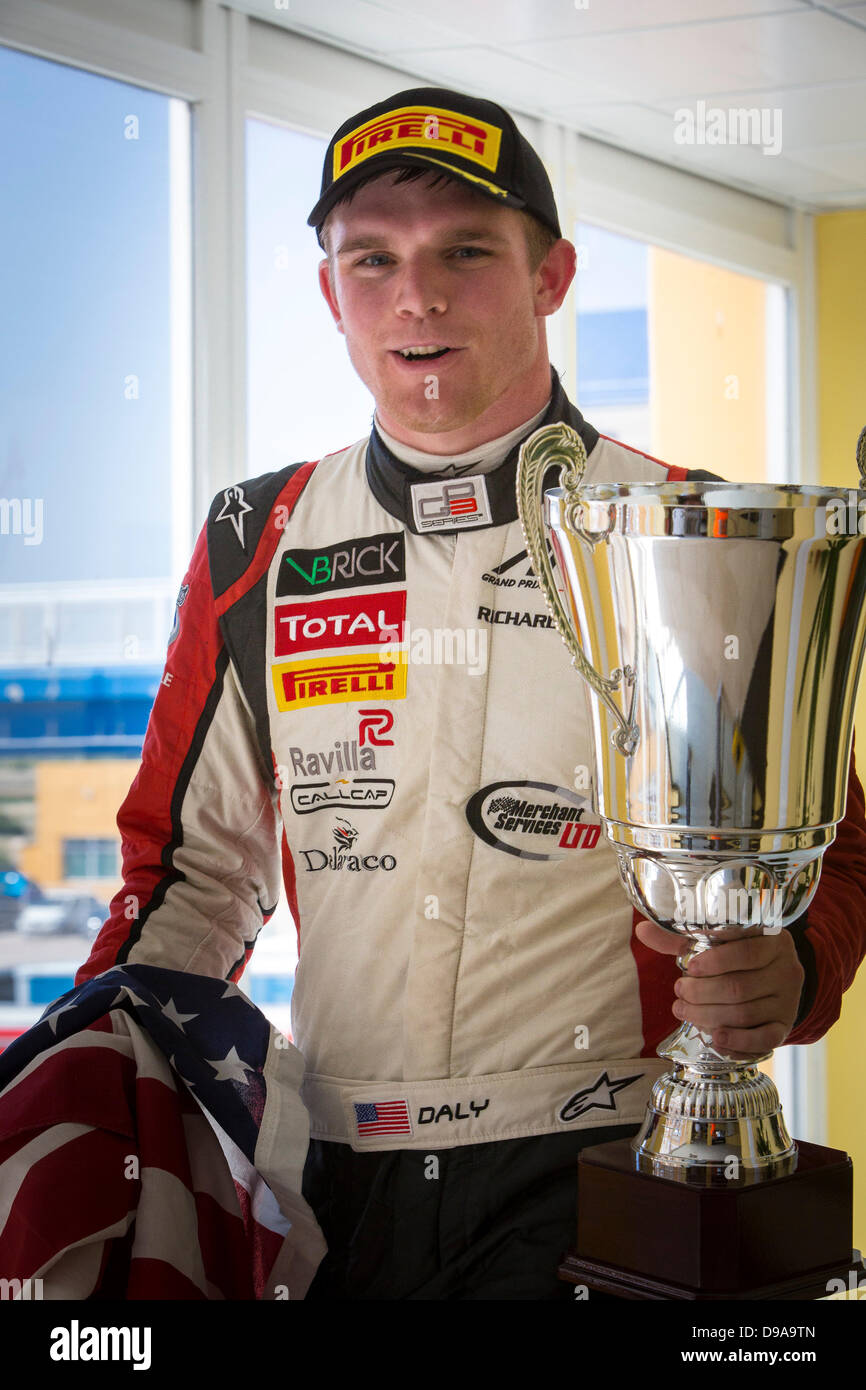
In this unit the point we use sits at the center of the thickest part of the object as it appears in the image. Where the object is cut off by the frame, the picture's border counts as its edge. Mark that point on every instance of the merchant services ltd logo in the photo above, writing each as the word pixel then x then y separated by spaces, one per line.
pixel 532 820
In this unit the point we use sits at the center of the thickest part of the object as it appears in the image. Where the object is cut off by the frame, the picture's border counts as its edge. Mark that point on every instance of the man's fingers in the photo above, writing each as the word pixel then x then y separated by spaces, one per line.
pixel 667 942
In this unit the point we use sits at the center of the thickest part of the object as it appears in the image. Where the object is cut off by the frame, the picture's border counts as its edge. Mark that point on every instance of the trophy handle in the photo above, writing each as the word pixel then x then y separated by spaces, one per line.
pixel 550 445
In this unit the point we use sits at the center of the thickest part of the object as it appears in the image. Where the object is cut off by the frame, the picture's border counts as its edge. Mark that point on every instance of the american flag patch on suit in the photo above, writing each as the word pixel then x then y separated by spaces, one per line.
pixel 152 1143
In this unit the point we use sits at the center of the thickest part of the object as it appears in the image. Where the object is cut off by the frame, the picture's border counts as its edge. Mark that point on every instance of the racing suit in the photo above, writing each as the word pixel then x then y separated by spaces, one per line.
pixel 364 694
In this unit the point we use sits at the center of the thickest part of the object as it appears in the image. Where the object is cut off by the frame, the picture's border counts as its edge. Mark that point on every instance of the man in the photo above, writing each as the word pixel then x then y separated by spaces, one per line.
pixel 475 999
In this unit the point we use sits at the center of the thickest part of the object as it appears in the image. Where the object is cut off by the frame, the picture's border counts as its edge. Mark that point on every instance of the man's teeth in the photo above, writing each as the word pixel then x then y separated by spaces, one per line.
pixel 409 353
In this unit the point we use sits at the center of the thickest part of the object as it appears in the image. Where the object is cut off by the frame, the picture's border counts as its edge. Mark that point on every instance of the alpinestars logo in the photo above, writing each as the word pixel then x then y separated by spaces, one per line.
pixel 234 509
pixel 601 1095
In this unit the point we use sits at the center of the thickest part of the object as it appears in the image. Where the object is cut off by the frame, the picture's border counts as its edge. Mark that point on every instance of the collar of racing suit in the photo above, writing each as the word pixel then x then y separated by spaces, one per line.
pixel 391 480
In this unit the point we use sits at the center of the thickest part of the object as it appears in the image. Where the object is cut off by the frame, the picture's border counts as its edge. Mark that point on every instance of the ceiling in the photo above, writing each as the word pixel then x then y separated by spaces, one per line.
pixel 626 71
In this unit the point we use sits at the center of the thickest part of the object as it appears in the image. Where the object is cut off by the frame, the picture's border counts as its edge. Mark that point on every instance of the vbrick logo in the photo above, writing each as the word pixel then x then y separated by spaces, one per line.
pixel 351 564
pixel 366 621
pixel 336 680
pixel 450 505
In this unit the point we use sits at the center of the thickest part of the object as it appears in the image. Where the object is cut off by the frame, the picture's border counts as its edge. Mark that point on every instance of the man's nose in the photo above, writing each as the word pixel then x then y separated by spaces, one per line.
pixel 420 288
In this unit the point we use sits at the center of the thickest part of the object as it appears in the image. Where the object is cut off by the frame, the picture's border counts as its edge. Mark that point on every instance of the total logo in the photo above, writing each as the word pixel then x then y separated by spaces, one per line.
pixel 369 620
pixel 340 857
pixel 532 820
pixel 364 560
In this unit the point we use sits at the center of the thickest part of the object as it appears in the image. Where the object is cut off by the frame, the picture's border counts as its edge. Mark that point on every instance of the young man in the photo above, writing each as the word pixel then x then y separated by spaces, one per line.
pixel 475 998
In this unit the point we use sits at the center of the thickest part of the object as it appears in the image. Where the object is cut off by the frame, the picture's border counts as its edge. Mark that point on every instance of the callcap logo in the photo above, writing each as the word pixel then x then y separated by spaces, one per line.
pixel 359 793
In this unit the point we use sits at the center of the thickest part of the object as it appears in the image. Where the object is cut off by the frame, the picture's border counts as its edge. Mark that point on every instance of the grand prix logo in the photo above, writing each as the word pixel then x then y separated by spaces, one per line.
pixel 532 820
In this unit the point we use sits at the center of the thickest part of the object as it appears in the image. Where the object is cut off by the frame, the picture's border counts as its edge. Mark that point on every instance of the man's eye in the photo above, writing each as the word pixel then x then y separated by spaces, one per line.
pixel 376 256
pixel 473 251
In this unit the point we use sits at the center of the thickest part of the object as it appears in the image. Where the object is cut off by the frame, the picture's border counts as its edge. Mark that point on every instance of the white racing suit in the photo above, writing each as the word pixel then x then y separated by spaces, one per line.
pixel 364 695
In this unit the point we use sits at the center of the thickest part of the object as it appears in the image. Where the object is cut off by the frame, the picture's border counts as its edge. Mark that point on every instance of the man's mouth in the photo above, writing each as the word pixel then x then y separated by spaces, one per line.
pixel 427 353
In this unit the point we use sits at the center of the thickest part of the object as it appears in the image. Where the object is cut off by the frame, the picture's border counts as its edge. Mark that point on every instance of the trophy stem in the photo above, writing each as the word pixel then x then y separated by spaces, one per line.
pixel 712 1113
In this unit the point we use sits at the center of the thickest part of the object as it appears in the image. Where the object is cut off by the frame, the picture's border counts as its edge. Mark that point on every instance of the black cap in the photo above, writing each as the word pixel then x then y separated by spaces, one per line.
pixel 473 139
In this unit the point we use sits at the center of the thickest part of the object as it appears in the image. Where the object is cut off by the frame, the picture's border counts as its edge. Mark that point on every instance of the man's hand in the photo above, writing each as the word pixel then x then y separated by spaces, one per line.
pixel 745 993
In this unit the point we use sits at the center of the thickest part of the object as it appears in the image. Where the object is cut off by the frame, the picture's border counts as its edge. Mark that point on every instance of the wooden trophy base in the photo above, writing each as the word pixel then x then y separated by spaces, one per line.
pixel 641 1236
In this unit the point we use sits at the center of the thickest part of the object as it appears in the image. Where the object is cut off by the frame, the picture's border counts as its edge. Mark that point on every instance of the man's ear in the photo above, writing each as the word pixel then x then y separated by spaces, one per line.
pixel 554 276
pixel 328 292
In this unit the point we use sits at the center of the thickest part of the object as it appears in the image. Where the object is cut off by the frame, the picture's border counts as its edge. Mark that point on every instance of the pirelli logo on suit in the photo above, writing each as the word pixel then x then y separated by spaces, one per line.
pixel 334 680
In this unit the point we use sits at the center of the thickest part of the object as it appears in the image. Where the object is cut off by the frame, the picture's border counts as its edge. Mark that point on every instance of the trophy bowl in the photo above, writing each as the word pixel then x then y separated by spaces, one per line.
pixel 719 629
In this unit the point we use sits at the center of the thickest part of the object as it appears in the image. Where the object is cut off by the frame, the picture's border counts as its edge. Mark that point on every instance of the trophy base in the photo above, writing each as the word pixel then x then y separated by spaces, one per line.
pixel 644 1235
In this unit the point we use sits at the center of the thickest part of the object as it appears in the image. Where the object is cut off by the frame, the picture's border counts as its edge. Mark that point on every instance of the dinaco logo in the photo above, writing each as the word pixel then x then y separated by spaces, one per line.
pixel 532 820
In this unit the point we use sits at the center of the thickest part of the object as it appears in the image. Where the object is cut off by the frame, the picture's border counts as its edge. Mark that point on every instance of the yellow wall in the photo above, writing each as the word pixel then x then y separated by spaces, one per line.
pixel 76 799
pixel 707 367
pixel 840 264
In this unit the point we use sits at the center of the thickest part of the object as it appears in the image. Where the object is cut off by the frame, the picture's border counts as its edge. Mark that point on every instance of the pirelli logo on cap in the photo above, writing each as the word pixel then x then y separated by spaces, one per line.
pixel 427 128
pixel 338 680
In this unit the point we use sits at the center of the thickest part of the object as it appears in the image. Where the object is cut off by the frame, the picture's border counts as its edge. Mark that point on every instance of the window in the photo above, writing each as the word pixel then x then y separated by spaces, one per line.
pixel 90 858
pixel 680 358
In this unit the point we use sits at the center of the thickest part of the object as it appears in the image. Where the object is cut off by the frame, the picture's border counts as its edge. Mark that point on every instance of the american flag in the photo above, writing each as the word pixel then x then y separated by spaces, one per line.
pixel 140 1155
pixel 383 1117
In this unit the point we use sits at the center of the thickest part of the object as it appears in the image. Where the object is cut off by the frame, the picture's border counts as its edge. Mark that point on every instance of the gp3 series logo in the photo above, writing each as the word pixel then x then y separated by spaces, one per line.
pixel 349 564
pixel 532 820
pixel 330 624
pixel 450 505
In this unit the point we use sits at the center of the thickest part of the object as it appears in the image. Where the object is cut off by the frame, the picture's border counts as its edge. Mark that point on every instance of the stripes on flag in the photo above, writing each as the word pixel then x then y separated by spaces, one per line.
pixel 382 1117
pixel 117 1179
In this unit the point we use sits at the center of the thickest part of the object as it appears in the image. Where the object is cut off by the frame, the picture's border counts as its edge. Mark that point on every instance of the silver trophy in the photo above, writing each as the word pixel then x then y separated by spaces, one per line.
pixel 719 630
